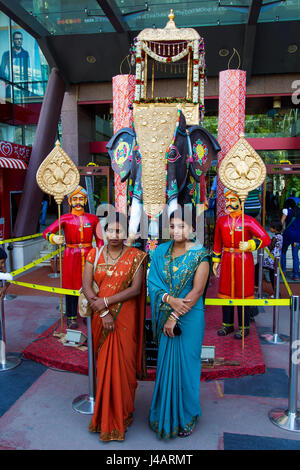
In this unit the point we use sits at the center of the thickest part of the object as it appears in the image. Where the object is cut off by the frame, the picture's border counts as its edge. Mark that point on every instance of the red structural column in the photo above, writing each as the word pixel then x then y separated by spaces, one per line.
pixel 123 96
pixel 232 95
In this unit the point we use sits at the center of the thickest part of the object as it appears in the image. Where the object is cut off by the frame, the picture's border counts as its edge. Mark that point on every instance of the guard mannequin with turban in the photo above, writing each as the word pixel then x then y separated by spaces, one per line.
pixel 228 249
pixel 79 228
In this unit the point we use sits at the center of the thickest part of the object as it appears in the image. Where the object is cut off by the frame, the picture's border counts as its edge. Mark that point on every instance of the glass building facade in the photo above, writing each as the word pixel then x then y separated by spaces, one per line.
pixel 23 80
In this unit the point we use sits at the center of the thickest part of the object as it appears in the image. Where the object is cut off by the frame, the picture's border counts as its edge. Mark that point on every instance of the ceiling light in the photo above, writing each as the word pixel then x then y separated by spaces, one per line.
pixel 223 52
pixel 292 48
pixel 90 59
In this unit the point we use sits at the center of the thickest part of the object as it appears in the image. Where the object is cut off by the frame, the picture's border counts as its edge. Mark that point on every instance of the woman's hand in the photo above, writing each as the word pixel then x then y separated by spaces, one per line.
pixel 180 306
pixel 168 329
pixel 97 304
pixel 108 322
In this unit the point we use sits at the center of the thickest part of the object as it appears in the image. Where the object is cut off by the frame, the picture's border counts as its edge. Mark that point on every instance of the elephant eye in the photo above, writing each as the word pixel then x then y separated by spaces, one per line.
pixel 173 154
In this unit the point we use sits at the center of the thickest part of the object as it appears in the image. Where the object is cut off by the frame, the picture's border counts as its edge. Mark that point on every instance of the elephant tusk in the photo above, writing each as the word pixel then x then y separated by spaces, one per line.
pixel 172 206
pixel 130 239
pixel 135 218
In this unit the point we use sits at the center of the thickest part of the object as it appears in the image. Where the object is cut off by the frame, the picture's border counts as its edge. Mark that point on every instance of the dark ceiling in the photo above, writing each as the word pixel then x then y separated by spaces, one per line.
pixel 265 47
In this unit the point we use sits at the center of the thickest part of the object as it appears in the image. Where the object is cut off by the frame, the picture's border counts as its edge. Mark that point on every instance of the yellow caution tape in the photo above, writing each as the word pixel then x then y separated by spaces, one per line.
pixel 216 302
pixel 285 281
pixel 281 272
pixel 56 290
pixel 27 237
pixel 219 389
pixel 249 302
pixel 35 263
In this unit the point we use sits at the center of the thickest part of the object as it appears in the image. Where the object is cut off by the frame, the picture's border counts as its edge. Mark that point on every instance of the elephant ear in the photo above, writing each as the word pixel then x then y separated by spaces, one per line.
pixel 120 149
pixel 203 149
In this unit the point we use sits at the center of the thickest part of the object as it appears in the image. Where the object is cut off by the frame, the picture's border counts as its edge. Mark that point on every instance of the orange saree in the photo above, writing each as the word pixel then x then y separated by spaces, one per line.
pixel 120 353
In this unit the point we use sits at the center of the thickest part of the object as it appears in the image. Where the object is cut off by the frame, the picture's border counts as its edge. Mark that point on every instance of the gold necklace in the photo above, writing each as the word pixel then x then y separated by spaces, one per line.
pixel 175 268
pixel 110 272
pixel 234 222
pixel 116 256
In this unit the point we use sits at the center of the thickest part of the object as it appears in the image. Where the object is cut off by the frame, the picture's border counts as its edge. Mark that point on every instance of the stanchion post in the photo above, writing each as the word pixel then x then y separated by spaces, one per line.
pixel 10 362
pixel 275 337
pixel 289 419
pixel 54 275
pixel 85 403
pixel 260 272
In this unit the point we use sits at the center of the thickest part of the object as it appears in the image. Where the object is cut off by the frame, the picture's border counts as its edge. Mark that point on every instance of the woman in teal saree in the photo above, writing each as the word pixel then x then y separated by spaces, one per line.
pixel 177 280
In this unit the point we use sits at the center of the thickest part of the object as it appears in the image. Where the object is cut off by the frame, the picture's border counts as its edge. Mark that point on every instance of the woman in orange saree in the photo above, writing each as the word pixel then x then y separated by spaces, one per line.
pixel 118 330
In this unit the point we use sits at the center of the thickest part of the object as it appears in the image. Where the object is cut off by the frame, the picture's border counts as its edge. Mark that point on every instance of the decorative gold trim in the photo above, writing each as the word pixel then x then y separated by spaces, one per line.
pixel 155 129
pixel 190 110
pixel 58 175
pixel 242 170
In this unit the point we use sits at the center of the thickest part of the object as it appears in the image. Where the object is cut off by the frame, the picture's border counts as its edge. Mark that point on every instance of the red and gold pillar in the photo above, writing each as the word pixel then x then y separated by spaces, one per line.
pixel 232 96
pixel 123 96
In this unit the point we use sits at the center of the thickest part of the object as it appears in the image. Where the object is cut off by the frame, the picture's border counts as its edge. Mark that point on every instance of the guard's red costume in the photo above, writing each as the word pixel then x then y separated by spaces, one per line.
pixel 229 247
pixel 79 228
pixel 79 231
pixel 228 235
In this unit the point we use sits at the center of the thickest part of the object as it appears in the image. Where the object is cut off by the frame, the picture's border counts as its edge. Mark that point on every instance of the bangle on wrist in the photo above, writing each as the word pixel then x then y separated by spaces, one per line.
pixel 103 314
pixel 173 317
pixel 105 302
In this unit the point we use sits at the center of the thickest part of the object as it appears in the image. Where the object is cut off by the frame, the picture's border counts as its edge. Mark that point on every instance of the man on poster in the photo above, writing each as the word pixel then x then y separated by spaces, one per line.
pixel 20 62
pixel 229 240
pixel 79 229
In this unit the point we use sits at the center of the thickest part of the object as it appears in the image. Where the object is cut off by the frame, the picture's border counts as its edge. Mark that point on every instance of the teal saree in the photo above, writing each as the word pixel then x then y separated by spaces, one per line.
pixel 175 404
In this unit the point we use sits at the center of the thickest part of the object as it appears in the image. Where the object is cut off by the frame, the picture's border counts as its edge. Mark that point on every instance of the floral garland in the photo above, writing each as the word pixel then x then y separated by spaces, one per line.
pixel 168 59
pixel 198 67
pixel 166 100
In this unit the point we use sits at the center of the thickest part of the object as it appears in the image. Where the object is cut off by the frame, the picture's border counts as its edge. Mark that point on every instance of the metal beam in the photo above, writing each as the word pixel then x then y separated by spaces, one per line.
pixel 250 36
pixel 254 11
pixel 114 15
pixel 52 58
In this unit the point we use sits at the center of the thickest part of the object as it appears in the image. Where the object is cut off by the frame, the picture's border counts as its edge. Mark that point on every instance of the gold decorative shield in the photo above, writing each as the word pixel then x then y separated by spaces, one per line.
pixel 155 129
pixel 58 175
pixel 242 169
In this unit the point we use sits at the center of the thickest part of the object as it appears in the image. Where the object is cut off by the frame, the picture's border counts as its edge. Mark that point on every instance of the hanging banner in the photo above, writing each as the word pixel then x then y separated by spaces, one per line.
pixel 232 98
pixel 123 96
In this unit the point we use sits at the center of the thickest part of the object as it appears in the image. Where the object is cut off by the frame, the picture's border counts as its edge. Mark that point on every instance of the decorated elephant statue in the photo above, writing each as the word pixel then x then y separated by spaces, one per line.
pixel 160 175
